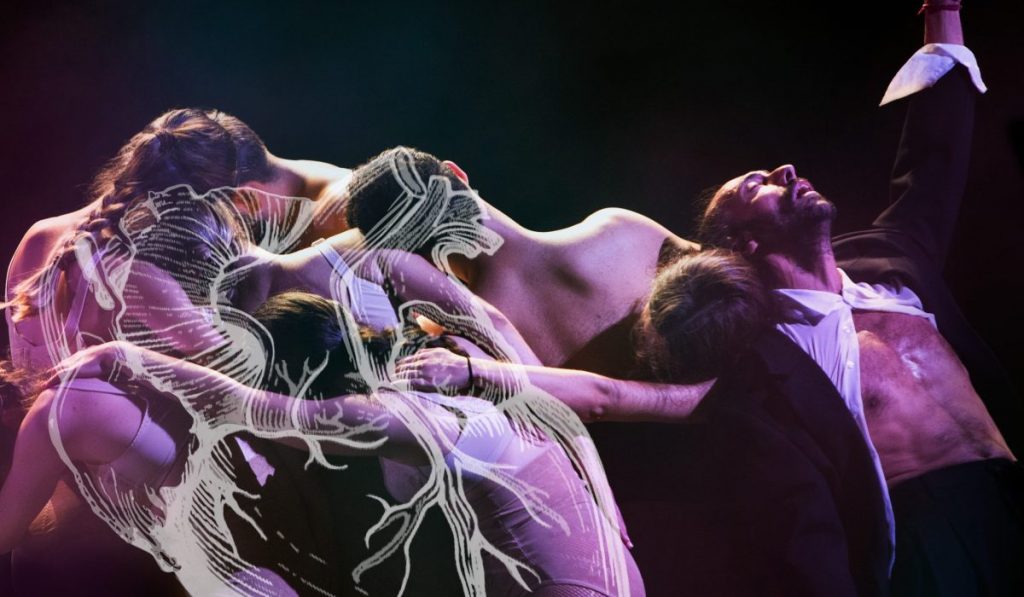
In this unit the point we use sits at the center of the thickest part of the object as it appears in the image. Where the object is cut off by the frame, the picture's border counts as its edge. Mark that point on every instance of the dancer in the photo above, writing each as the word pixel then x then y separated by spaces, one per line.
pixel 536 520
pixel 111 292
pixel 529 277
pixel 602 266
pixel 63 260
pixel 228 270
pixel 774 491
pixel 874 327
pixel 205 149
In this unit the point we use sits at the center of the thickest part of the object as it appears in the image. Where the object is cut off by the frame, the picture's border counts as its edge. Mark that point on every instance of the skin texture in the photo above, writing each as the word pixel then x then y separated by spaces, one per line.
pixel 921 409
pixel 603 267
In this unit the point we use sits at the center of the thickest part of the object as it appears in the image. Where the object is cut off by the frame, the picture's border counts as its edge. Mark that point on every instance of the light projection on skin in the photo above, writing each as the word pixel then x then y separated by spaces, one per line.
pixel 187 246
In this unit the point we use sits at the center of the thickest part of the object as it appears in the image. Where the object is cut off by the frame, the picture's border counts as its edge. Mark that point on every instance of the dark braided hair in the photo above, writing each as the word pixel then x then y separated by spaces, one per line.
pixel 373 190
pixel 306 327
pixel 204 149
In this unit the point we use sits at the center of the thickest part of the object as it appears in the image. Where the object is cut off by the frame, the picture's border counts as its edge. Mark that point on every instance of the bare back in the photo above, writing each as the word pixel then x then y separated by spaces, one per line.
pixel 577 297
pixel 34 253
pixel 922 412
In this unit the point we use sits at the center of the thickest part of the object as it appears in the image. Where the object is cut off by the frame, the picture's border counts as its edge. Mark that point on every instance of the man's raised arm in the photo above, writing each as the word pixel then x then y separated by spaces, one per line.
pixel 930 172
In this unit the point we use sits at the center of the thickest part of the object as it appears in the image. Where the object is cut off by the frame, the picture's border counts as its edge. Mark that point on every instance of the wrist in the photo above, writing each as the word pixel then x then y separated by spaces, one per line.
pixel 933 6
pixel 481 374
pixel 943 27
pixel 470 378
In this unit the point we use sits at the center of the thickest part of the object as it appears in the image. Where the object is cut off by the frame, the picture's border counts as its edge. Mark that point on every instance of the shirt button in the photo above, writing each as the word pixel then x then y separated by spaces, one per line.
pixel 849 364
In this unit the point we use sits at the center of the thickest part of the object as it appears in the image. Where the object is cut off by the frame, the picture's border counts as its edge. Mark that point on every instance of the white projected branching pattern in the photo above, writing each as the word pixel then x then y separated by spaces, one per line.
pixel 196 250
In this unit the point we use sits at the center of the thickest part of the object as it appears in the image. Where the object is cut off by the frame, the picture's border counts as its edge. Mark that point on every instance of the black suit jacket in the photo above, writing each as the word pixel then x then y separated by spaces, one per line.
pixel 780 494
pixel 908 243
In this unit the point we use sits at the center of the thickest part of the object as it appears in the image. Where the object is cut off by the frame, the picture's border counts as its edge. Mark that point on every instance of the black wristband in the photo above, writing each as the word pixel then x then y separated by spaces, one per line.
pixel 469 365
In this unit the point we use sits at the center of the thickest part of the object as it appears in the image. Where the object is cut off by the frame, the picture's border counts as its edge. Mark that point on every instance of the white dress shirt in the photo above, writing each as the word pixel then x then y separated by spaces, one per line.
pixel 821 323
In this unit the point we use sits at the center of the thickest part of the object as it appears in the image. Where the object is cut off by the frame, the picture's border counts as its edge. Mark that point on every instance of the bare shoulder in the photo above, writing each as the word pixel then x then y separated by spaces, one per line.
pixel 618 217
pixel 630 226
pixel 95 426
pixel 38 243
pixel 627 236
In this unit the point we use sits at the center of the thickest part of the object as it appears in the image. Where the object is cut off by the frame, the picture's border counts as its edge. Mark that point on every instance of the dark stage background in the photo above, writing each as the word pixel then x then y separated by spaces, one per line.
pixel 554 110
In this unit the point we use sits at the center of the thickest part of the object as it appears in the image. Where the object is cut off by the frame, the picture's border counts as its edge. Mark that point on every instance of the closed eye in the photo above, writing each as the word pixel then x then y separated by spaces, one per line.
pixel 751 182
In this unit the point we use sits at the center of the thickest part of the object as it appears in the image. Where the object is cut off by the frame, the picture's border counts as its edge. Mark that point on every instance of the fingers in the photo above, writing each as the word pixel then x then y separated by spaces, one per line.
pixel 420 374
pixel 408 371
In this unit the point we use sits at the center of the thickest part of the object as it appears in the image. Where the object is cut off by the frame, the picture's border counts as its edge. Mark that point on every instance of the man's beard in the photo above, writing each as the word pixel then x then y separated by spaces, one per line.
pixel 801 228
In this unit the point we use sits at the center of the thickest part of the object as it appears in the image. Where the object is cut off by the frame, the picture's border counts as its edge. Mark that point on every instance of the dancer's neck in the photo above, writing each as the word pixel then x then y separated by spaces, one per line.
pixel 816 271
pixel 518 244
pixel 301 178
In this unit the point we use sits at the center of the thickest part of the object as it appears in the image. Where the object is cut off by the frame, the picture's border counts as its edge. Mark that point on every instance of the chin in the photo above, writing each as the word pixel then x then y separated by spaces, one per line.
pixel 816 208
pixel 825 209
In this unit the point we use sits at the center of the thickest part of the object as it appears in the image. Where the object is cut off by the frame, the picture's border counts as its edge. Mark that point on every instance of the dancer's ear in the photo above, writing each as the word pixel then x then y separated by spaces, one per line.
pixel 747 245
pixel 458 172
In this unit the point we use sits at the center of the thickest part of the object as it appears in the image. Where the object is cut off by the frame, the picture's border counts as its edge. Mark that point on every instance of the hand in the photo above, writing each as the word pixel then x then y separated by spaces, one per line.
pixel 434 369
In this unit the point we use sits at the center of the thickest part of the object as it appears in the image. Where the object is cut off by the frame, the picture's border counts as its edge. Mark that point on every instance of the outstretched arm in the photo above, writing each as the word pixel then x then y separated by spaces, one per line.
pixel 352 424
pixel 591 396
pixel 930 172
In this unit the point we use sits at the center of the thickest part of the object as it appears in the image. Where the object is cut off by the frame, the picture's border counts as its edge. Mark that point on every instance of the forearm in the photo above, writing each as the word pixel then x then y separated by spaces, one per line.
pixel 943 27
pixel 596 398
pixel 656 402
pixel 347 424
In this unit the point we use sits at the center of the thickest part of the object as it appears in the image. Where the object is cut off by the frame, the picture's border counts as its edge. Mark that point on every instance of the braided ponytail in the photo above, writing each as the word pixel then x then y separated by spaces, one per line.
pixel 204 149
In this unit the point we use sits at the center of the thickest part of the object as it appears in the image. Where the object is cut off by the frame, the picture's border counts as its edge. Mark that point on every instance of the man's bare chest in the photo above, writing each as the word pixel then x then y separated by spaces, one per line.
pixel 902 356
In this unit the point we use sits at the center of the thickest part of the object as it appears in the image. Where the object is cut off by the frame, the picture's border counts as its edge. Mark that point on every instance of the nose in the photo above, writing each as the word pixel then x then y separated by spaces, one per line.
pixel 783 175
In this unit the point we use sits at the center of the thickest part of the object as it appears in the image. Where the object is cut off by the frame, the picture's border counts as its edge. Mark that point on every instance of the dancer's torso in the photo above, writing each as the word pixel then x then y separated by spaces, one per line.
pixel 576 304
pixel 922 412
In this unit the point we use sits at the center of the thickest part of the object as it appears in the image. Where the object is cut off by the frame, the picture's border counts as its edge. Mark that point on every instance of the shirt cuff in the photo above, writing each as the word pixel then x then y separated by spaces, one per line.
pixel 927 66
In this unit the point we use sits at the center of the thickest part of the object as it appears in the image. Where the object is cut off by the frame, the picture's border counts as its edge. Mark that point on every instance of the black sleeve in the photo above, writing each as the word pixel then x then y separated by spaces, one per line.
pixel 930 172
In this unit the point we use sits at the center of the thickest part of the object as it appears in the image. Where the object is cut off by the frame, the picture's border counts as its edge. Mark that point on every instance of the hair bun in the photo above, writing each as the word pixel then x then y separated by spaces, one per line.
pixel 166 138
